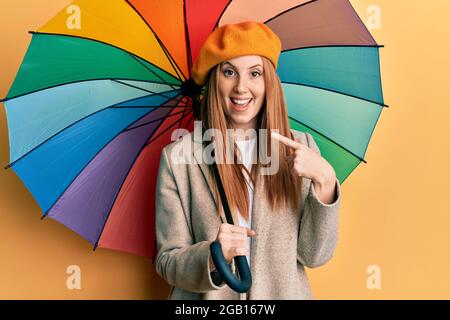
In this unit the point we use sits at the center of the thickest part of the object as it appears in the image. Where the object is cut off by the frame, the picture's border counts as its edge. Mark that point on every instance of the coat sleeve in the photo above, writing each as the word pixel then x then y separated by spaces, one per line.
pixel 318 231
pixel 180 261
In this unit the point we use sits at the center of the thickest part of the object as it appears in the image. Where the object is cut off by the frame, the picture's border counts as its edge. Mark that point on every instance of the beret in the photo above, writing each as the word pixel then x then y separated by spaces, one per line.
pixel 234 40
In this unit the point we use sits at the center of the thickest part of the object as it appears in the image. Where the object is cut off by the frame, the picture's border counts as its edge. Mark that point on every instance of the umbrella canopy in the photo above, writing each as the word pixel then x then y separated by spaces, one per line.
pixel 93 103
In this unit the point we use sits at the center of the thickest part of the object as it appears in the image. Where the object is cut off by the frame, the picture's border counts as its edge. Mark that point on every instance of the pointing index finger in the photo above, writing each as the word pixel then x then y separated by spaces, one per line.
pixel 285 140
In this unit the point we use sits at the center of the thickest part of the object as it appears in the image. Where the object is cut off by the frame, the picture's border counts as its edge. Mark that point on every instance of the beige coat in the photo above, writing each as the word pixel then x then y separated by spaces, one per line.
pixel 285 242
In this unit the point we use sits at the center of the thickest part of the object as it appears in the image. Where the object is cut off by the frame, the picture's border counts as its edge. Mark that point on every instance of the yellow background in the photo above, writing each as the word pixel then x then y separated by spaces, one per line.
pixel 394 213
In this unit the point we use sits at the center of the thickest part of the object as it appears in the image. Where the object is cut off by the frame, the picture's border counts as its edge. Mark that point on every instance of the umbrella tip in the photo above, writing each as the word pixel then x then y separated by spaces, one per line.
pixel 43 216
pixel 7 167
pixel 95 246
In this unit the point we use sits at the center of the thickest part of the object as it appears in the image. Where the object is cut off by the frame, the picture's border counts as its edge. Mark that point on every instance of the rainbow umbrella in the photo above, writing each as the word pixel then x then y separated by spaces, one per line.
pixel 98 96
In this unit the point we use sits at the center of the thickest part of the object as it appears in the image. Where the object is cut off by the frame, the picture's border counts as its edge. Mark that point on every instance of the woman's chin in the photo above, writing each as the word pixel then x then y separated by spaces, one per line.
pixel 242 122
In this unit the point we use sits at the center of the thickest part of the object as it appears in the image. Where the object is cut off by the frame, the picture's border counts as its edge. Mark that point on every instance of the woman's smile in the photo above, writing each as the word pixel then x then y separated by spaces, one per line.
pixel 240 105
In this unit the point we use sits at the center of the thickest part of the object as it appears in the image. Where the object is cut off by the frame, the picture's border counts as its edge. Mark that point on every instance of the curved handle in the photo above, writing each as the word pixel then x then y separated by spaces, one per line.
pixel 240 285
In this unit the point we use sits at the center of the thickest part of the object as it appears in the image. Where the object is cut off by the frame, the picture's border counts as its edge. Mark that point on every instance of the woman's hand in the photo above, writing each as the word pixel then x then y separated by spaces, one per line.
pixel 304 162
pixel 233 240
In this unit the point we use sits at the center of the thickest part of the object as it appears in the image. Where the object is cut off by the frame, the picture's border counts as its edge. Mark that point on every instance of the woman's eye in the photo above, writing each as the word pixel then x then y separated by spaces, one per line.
pixel 256 74
pixel 228 72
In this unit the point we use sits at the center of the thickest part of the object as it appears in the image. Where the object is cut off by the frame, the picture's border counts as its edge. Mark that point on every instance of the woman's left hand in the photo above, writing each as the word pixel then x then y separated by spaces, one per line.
pixel 305 162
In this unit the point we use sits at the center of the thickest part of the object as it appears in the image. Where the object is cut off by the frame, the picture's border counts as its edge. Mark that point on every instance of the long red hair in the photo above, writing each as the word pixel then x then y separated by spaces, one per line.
pixel 285 189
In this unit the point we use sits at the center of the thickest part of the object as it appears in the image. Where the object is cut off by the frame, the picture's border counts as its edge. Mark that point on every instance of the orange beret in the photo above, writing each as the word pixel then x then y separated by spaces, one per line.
pixel 234 40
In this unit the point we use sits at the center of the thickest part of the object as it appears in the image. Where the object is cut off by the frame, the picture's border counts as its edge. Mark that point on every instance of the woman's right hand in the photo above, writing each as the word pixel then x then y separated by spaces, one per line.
pixel 233 240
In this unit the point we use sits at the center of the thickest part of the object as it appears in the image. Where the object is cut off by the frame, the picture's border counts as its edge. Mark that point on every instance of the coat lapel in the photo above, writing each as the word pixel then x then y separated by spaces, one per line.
pixel 261 221
pixel 198 156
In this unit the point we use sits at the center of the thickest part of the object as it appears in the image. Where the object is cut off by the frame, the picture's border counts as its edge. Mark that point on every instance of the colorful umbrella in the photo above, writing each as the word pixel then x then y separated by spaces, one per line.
pixel 99 93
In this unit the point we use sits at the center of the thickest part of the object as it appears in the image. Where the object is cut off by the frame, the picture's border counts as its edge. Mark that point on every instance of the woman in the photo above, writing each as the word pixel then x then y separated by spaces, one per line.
pixel 281 228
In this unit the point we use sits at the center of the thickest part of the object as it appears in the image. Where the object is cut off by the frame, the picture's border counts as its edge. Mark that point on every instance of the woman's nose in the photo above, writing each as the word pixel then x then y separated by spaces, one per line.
pixel 240 85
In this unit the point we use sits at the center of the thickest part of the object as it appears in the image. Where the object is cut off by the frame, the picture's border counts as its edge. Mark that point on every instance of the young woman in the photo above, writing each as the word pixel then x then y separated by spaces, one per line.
pixel 284 221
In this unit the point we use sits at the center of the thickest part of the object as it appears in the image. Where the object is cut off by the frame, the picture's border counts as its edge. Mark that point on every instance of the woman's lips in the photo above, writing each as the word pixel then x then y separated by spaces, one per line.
pixel 239 107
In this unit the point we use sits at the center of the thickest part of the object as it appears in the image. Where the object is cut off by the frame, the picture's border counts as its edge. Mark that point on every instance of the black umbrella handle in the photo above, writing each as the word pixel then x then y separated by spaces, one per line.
pixel 239 285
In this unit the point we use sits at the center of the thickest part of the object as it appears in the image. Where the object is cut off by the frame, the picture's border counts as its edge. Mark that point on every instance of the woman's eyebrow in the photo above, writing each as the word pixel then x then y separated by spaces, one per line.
pixel 256 65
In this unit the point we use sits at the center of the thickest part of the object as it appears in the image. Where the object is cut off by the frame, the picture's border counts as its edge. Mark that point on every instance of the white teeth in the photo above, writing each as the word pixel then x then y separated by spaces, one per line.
pixel 240 102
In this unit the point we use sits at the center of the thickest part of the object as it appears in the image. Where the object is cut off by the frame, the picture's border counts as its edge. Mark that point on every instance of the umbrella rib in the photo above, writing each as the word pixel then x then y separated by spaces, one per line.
pixel 153 139
pixel 184 110
pixel 169 58
pixel 166 52
pixel 125 178
pixel 189 122
pixel 221 15
pixel 335 46
pixel 290 9
pixel 165 117
pixel 118 106
pixel 335 91
pixel 149 106
pixel 186 37
pixel 73 82
pixel 55 134
pixel 379 78
pixel 339 145
pixel 139 88
pixel 191 110
pixel 82 169
pixel 146 67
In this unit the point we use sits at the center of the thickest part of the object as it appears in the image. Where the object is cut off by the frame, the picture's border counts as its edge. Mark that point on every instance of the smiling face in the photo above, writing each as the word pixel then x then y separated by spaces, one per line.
pixel 242 87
